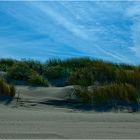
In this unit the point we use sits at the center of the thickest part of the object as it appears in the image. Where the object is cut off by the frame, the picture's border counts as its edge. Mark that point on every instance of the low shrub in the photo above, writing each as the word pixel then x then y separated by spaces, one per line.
pixel 22 72
pixel 108 93
pixel 77 63
pixel 35 65
pixel 19 71
pixel 36 79
pixel 104 73
pixel 55 72
pixel 5 64
pixel 84 94
pixel 54 62
pixel 115 92
pixel 6 89
pixel 129 76
pixel 82 77
pixel 12 90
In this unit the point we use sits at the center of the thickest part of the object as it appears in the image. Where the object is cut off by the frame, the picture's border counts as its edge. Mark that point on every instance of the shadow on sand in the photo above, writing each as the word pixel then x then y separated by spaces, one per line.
pixel 77 105
pixel 5 99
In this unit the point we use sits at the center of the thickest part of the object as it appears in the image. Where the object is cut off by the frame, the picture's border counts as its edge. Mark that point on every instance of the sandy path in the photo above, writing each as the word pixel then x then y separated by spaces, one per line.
pixel 44 121
pixel 17 123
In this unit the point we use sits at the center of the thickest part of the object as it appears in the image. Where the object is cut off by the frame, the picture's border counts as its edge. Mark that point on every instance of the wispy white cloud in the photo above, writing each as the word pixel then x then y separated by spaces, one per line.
pixel 70 29
pixel 86 32
pixel 61 19
pixel 133 12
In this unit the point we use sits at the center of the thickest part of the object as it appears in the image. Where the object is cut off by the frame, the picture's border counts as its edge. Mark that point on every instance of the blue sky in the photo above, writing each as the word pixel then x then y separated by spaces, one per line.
pixel 60 29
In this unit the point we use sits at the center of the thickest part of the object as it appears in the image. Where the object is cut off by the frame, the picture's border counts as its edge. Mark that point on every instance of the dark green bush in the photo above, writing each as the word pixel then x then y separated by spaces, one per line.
pixel 36 79
pixel 84 94
pixel 82 77
pixel 35 65
pixel 22 72
pixel 104 73
pixel 77 63
pixel 129 76
pixel 12 90
pixel 115 92
pixel 55 72
pixel 19 71
pixel 108 93
pixel 5 64
pixel 6 89
pixel 54 62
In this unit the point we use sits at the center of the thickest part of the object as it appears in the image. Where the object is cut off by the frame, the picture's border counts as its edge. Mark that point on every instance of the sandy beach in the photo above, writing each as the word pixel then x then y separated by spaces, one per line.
pixel 69 69
pixel 33 118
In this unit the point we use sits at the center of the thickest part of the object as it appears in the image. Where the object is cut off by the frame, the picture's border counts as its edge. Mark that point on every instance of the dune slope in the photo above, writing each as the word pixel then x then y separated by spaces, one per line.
pixel 32 118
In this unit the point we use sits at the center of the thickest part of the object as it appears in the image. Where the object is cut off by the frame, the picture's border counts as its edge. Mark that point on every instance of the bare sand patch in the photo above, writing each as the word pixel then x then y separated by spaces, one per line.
pixel 31 119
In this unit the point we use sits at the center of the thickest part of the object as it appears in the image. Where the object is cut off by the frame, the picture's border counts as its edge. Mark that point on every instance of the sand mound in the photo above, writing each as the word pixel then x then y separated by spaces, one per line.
pixel 38 115
pixel 44 97
pixel 45 92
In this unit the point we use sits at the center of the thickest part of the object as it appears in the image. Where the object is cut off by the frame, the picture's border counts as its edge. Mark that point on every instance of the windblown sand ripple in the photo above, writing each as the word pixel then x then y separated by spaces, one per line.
pixel 34 120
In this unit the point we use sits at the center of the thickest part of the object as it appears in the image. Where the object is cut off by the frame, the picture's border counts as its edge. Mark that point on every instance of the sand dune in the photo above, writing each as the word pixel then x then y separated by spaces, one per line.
pixel 35 117
pixel 43 92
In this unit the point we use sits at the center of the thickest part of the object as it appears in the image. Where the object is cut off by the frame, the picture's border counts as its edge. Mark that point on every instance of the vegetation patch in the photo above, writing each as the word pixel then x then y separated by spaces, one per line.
pixel 109 94
pixel 7 89
pixel 22 72
pixel 116 82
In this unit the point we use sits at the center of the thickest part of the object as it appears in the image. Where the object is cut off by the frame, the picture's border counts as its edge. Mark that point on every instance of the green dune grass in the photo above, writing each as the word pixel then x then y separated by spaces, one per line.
pixel 115 81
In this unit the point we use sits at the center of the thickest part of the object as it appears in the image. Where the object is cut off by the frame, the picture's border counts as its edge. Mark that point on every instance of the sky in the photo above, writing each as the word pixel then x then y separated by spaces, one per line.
pixel 60 29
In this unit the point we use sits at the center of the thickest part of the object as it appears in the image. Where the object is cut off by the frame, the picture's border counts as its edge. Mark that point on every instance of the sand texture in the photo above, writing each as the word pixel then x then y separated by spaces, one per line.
pixel 44 113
